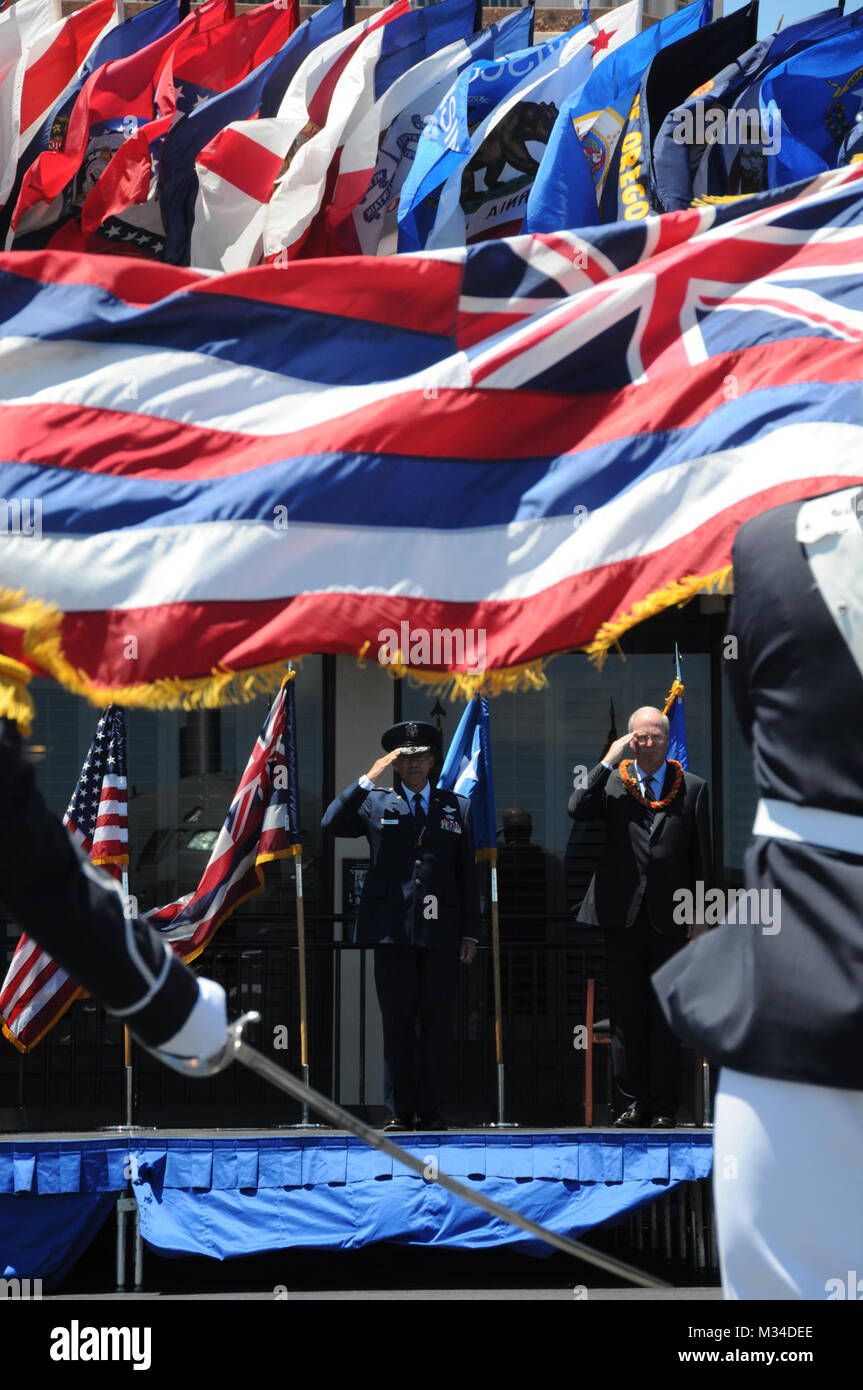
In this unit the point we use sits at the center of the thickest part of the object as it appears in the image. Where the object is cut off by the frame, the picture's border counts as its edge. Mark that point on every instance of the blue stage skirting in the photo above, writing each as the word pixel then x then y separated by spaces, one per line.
pixel 225 1197
pixel 55 1198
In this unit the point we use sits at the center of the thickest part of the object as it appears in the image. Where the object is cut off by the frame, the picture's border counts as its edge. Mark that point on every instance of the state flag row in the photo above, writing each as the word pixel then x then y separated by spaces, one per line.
pixel 228 140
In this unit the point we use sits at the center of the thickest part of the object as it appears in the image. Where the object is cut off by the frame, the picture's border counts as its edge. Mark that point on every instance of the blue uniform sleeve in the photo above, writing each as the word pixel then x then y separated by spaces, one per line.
pixel 344 816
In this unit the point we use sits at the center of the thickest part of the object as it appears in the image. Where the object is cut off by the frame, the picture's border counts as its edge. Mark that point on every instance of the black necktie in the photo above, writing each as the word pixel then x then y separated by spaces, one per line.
pixel 648 796
pixel 419 813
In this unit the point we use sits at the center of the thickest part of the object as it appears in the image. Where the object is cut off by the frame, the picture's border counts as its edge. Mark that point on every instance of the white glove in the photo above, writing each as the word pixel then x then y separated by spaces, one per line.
pixel 204 1035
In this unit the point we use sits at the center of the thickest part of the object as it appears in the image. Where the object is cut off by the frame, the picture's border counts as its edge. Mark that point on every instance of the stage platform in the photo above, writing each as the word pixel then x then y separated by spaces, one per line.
pixel 230 1192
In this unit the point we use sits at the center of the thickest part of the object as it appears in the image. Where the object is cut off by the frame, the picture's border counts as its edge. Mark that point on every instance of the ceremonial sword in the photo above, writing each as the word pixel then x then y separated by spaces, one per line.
pixel 235 1049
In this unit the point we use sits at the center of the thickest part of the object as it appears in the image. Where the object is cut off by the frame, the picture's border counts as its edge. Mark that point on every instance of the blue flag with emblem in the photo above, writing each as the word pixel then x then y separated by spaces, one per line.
pixel 467 770
pixel 573 169
pixel 676 714
pixel 671 76
pixel 445 142
pixel 722 140
pixel 819 95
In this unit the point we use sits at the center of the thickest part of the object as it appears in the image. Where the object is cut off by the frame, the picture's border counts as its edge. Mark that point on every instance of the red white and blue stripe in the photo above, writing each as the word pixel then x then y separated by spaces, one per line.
pixel 97 815
pixel 262 824
pixel 526 437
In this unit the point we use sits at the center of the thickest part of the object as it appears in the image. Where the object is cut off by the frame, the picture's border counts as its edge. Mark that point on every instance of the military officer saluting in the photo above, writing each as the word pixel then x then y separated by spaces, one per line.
pixel 419 908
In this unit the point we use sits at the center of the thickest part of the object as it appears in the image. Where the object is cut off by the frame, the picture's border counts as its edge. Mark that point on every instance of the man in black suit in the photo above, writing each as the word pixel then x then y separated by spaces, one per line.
pixel 419 908
pixel 776 997
pixel 657 819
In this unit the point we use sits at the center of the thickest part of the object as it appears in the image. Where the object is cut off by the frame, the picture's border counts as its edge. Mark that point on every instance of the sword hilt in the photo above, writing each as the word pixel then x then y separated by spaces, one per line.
pixel 218 1061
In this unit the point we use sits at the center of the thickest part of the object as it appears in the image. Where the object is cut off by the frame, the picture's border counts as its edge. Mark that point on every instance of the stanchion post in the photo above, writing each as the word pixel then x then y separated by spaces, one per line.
pixel 139 1252
pixel 305 1122
pixel 304 1018
pixel 121 1246
pixel 498 1002
pixel 127 1038
pixel 125 1205
pixel 127 1067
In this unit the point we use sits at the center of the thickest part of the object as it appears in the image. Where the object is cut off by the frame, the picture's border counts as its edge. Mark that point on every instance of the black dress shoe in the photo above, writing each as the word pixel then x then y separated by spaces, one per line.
pixel 633 1118
pixel 662 1122
pixel 397 1122
pixel 431 1120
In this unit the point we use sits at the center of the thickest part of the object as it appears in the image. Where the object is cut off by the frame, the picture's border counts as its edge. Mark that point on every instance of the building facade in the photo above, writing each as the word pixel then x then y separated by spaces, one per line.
pixel 183 769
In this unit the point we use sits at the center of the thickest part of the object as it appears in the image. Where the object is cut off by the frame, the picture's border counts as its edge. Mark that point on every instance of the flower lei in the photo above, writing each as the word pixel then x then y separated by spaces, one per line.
pixel 632 785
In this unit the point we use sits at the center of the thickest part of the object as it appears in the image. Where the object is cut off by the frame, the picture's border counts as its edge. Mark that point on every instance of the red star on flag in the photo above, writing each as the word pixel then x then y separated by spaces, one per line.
pixel 601 41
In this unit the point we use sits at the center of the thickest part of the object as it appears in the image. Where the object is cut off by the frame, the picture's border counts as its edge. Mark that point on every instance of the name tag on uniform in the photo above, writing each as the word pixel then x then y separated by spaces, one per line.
pixel 389 820
pixel 450 823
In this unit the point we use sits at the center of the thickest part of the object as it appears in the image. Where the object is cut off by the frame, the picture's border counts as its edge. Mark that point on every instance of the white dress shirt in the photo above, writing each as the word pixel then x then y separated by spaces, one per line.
pixel 658 781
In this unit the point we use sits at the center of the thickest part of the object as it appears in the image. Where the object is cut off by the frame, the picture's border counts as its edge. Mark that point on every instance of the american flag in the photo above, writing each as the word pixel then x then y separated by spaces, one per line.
pixel 262 824
pixel 542 439
pixel 36 992
pixel 97 815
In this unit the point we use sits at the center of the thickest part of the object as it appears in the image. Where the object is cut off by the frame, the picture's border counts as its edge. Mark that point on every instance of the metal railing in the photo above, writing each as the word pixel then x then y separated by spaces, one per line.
pixel 77 1070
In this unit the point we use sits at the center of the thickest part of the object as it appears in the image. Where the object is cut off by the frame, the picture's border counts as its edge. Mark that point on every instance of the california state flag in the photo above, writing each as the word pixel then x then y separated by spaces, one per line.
pixel 484 212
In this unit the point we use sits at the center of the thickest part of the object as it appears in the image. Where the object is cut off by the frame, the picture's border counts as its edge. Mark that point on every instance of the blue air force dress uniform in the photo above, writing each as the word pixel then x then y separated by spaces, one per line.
pixel 779 1002
pixel 419 899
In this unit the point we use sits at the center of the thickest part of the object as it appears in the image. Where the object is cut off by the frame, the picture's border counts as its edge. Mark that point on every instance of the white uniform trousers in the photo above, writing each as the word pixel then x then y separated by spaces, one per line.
pixel 788 1188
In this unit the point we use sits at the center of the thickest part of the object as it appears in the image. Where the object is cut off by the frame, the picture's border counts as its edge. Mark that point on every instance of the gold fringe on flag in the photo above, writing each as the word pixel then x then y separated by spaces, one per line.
pixel 16 702
pixel 678 592
pixel 677 688
pixel 42 644
pixel 464 684
pixel 40 623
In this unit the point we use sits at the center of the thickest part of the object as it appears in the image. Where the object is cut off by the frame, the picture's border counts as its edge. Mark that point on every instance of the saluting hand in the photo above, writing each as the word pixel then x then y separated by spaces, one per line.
pixel 377 769
pixel 618 750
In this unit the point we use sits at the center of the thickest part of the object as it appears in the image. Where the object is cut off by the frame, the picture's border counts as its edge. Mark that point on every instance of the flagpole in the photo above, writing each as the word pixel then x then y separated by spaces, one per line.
pixel 304 1018
pixel 129 1127
pixel 472 733
pixel 127 1040
pixel 305 1122
pixel 498 1002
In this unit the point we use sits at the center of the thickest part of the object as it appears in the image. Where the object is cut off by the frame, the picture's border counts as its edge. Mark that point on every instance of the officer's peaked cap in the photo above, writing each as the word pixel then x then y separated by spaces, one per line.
pixel 411 737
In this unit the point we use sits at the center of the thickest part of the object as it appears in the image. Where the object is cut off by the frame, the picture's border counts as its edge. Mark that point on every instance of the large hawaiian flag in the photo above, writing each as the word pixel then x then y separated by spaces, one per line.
pixel 542 439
